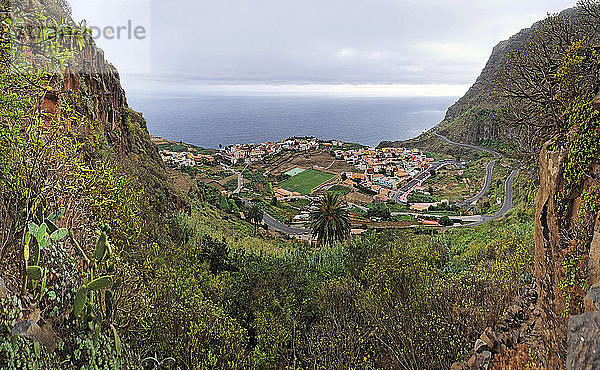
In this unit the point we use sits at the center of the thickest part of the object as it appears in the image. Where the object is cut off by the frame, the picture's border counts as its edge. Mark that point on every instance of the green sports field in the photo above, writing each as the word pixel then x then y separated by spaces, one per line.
pixel 305 181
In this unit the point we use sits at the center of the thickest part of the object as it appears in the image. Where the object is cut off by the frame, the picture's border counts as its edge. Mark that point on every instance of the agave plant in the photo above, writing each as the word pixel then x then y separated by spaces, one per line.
pixel 153 362
pixel 331 221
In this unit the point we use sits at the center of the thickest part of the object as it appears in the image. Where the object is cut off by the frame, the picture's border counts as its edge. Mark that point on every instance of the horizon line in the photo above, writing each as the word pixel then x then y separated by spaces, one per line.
pixel 346 89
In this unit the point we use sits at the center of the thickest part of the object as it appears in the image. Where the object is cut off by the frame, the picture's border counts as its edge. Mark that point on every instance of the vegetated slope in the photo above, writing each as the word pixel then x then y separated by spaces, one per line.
pixel 76 164
pixel 200 288
pixel 389 299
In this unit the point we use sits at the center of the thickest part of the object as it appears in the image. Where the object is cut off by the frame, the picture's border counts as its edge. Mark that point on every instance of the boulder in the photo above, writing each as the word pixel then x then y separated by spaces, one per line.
pixel 489 338
pixel 480 346
pixel 583 341
pixel 44 334
pixel 3 289
pixel 592 299
pixel 457 366
pixel 487 355
pixel 472 363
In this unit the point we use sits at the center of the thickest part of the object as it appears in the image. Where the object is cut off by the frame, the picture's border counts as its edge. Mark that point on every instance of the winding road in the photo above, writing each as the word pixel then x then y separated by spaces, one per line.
pixel 469 146
pixel 279 226
pixel 486 186
pixel 508 184
pixel 240 177
pixel 508 201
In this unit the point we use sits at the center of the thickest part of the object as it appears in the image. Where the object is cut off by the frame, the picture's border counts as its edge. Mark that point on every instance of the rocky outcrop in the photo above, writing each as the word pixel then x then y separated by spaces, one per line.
pixel 583 335
pixel 516 327
pixel 467 121
pixel 557 327
pixel 42 333
pixel 97 85
pixel 567 257
pixel 472 118
pixel 88 82
pixel 548 249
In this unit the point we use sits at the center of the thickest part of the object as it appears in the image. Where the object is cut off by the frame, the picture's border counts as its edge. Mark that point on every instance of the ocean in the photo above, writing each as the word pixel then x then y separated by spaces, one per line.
pixel 210 121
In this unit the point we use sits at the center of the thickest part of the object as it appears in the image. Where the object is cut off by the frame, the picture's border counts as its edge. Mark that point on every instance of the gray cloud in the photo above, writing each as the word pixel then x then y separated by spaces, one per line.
pixel 328 41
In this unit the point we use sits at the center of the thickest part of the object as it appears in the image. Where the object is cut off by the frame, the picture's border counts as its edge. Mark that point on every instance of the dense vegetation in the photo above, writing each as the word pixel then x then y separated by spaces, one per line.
pixel 387 299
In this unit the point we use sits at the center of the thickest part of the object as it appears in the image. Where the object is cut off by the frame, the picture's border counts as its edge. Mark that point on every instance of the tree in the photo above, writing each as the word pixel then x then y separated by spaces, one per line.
pixel 224 204
pixel 233 206
pixel 255 216
pixel 446 221
pixel 331 221
pixel 535 88
pixel 379 210
pixel 589 13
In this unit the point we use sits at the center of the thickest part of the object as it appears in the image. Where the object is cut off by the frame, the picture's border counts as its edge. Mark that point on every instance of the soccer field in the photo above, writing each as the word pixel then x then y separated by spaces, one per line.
pixel 305 181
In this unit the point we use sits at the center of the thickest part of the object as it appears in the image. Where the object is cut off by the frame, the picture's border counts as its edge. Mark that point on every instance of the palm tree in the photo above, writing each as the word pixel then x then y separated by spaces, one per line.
pixel 331 221
pixel 255 215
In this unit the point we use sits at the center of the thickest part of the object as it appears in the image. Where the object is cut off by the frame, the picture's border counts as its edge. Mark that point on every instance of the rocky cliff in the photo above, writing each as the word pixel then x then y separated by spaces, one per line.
pixel 567 244
pixel 93 85
pixel 472 119
pixel 87 83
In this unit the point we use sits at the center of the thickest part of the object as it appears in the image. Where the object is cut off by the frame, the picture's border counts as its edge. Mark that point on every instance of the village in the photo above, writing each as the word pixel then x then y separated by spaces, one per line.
pixel 383 187
pixel 249 153
pixel 383 171
pixel 178 155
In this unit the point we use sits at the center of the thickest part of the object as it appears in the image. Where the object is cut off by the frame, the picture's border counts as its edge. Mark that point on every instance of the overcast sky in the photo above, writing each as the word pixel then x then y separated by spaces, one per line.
pixel 276 45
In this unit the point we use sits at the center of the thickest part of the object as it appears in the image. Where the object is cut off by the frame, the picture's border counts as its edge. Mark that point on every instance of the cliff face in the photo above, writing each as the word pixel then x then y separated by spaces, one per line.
pixel 548 250
pixel 567 248
pixel 87 82
pixel 471 118
pixel 100 96
pixel 108 127
pixel 567 252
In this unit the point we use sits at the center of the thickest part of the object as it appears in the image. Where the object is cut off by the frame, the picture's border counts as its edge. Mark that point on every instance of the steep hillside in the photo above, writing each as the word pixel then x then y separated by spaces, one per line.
pixel 84 197
pixel 473 118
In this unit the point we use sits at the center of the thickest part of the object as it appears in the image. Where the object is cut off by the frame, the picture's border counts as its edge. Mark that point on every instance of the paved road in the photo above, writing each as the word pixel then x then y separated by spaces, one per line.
pixel 508 184
pixel 489 168
pixel 279 226
pixel 486 186
pixel 508 201
pixel 474 218
pixel 240 184
pixel 474 147
pixel 414 182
